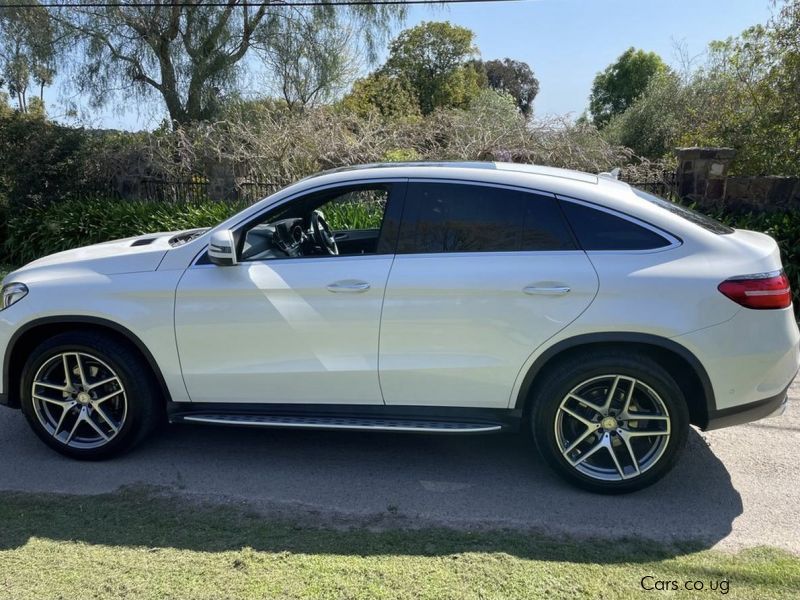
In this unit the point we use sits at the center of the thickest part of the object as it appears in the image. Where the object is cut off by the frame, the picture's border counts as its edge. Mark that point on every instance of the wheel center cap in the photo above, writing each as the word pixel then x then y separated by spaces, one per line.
pixel 84 398
pixel 609 423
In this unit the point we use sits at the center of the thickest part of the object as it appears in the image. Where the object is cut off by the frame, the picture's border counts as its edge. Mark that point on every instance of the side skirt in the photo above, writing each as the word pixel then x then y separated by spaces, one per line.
pixel 349 417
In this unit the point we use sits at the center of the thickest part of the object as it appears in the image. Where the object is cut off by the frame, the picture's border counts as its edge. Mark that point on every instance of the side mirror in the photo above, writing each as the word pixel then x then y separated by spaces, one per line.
pixel 221 249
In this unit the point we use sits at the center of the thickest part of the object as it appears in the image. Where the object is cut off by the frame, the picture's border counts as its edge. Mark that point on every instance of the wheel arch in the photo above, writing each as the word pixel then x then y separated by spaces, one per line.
pixel 30 335
pixel 681 363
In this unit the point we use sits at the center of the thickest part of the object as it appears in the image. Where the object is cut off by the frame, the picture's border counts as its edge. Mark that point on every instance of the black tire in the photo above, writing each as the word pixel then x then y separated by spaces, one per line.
pixel 598 372
pixel 143 409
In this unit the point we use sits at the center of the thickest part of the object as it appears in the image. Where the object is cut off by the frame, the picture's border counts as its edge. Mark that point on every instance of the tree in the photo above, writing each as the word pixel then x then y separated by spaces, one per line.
pixel 192 54
pixel 389 96
pixel 312 62
pixel 28 42
pixel 622 82
pixel 512 77
pixel 433 58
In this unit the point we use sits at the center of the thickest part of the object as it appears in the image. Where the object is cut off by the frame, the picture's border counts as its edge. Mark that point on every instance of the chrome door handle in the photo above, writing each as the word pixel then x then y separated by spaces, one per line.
pixel 348 285
pixel 546 291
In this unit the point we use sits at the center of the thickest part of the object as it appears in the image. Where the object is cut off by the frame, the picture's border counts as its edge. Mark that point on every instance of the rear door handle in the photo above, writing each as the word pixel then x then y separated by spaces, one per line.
pixel 348 286
pixel 533 290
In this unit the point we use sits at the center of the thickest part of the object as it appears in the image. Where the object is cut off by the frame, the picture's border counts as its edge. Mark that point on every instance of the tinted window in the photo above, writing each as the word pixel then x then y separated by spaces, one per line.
pixel 599 230
pixel 444 217
pixel 703 221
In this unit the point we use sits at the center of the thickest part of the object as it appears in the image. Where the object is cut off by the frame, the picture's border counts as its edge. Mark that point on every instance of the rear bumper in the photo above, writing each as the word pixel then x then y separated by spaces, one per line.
pixel 745 413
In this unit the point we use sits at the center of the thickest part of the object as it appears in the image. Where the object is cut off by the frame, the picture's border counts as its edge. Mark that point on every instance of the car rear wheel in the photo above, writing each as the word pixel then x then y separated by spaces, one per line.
pixel 610 424
pixel 88 395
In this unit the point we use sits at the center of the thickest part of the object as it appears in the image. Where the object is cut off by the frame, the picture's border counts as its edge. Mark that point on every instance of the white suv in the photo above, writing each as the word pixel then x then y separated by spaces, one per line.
pixel 447 298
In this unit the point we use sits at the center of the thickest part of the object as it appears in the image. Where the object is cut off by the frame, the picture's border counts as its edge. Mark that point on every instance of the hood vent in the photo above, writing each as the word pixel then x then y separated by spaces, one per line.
pixel 143 242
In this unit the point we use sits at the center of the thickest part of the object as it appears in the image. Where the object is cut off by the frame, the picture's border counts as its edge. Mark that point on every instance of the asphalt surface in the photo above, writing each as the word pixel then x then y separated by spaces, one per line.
pixel 733 488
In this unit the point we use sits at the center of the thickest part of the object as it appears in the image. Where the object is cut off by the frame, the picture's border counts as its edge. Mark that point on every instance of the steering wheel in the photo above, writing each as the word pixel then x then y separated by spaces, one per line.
pixel 323 235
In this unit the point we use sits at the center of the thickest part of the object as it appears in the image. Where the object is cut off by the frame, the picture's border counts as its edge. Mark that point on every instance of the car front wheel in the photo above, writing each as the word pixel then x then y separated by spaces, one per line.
pixel 89 396
pixel 610 424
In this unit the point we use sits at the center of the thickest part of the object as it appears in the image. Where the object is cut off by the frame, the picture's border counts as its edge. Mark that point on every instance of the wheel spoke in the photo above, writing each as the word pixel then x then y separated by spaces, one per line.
pixel 50 386
pixel 61 403
pixel 63 416
pixel 610 395
pixel 81 373
pixel 613 454
pixel 595 407
pixel 92 386
pixel 630 417
pixel 94 426
pixel 645 433
pixel 589 431
pixel 78 421
pixel 67 372
pixel 629 397
pixel 583 457
pixel 575 415
pixel 104 416
pixel 108 397
pixel 627 441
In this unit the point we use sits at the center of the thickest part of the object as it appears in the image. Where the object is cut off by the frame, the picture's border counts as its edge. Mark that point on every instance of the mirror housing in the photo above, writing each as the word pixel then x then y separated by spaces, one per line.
pixel 222 249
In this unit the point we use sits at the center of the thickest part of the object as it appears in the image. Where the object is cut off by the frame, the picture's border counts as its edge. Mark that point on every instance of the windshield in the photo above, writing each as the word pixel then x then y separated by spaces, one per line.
pixel 690 215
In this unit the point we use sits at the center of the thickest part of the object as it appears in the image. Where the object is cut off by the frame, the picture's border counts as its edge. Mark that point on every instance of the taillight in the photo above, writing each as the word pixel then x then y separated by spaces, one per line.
pixel 762 291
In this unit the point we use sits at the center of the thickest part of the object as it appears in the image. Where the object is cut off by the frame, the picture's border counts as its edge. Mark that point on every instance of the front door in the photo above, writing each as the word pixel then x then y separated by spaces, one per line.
pixel 293 322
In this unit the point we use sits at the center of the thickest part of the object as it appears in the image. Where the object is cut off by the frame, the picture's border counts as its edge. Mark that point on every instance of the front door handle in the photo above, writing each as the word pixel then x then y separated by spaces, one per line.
pixel 533 290
pixel 348 286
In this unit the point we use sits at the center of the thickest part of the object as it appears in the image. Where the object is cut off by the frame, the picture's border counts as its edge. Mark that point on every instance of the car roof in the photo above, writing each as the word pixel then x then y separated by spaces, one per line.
pixel 415 169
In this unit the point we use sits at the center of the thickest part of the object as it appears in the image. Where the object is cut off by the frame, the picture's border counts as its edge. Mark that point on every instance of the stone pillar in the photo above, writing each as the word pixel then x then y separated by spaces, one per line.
pixel 702 173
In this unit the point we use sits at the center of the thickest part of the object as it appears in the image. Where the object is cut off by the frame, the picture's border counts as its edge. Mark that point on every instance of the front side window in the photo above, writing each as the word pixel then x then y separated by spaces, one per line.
pixel 600 230
pixel 455 217
pixel 343 221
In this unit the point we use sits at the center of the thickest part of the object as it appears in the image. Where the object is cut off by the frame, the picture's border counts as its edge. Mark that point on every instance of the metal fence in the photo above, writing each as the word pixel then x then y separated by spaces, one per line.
pixel 664 184
pixel 162 190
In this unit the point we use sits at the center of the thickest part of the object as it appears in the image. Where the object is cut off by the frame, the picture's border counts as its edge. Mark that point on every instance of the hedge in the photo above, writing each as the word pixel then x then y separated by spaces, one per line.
pixel 38 230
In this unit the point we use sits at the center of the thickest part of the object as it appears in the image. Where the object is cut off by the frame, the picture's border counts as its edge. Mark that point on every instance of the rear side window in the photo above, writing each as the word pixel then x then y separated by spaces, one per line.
pixel 448 217
pixel 690 215
pixel 599 230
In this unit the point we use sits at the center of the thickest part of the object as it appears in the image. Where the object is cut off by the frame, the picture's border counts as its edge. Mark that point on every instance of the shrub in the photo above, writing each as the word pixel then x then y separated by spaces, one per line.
pixel 41 229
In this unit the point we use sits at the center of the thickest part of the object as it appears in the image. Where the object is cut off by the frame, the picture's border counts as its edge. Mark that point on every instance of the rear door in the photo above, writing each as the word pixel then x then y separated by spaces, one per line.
pixel 483 276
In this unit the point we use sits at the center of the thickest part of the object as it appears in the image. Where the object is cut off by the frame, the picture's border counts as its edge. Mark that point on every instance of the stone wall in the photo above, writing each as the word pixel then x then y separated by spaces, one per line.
pixel 702 178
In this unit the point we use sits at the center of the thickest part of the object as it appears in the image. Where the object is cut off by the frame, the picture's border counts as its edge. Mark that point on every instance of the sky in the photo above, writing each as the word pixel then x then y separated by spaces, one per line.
pixel 566 42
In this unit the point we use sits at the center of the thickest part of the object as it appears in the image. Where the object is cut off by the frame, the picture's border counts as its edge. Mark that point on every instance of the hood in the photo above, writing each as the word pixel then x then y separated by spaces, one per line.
pixel 131 255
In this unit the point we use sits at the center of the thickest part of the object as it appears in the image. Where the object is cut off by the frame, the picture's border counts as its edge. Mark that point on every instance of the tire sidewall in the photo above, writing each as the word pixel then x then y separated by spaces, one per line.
pixel 124 367
pixel 549 396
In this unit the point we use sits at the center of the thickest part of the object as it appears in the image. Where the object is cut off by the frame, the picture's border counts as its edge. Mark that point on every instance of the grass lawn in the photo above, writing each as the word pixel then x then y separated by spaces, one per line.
pixel 138 544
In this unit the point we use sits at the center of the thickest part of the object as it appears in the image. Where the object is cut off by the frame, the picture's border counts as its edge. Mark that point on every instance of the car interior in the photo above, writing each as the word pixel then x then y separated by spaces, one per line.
pixel 330 223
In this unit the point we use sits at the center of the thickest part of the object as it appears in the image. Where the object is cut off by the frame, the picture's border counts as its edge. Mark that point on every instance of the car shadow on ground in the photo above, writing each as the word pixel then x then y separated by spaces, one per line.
pixel 383 481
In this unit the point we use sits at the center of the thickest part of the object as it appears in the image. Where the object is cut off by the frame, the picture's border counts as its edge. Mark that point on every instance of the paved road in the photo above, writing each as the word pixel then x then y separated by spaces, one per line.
pixel 733 488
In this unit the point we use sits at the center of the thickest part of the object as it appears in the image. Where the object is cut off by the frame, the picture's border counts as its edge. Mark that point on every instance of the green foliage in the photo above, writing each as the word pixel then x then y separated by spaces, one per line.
pixel 622 82
pixel 433 58
pixel 41 161
pixel 511 77
pixel 744 97
pixel 40 229
pixel 390 97
pixel 354 215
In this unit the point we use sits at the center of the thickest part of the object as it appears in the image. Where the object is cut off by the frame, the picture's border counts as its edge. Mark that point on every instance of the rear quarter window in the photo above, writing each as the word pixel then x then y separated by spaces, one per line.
pixel 597 229
pixel 690 215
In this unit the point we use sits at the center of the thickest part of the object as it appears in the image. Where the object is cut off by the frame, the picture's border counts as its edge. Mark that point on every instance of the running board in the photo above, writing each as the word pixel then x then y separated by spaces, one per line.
pixel 338 423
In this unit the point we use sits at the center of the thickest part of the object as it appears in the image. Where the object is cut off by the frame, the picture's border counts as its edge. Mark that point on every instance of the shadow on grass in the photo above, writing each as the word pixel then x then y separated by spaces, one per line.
pixel 420 495
pixel 147 518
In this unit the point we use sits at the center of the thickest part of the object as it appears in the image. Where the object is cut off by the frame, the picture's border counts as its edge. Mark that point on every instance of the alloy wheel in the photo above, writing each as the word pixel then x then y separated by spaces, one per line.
pixel 612 427
pixel 79 400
